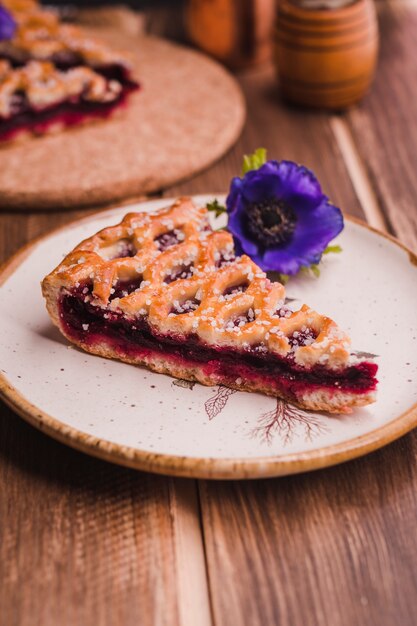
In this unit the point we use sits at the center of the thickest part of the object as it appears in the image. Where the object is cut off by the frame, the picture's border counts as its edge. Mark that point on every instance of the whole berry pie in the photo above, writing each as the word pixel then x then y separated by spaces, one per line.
pixel 53 75
pixel 165 291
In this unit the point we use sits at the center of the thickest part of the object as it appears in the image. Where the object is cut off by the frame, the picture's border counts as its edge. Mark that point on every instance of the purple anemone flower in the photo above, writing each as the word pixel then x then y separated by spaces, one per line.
pixel 7 24
pixel 279 217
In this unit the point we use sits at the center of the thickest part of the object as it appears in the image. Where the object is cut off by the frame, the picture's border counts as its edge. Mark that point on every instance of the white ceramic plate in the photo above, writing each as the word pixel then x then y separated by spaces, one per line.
pixel 131 416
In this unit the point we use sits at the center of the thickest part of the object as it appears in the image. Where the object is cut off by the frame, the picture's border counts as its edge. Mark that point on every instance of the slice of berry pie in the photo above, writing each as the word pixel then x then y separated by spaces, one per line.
pixel 38 98
pixel 164 291
pixel 53 75
pixel 41 36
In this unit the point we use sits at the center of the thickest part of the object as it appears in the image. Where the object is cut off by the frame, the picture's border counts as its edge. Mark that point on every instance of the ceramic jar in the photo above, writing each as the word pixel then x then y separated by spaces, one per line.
pixel 325 58
pixel 236 32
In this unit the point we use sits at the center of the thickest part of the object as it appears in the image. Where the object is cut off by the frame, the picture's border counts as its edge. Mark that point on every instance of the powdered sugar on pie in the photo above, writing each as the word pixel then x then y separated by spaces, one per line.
pixel 165 291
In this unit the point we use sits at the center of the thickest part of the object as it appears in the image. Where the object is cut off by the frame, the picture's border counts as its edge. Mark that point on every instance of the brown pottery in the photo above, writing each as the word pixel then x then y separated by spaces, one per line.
pixel 325 58
pixel 236 32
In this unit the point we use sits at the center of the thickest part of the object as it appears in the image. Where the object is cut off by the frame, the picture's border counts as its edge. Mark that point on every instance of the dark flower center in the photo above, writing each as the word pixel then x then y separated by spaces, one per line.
pixel 271 222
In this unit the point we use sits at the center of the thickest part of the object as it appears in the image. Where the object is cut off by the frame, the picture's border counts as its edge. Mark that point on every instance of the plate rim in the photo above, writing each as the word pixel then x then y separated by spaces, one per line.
pixel 196 467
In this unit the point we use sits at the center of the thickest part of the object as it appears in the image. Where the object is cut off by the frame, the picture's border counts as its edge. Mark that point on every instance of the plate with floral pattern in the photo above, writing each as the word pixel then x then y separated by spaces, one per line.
pixel 131 416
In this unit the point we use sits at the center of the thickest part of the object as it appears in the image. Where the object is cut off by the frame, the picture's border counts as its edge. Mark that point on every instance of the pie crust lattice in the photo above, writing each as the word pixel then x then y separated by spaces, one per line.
pixel 166 291
pixel 43 86
pixel 231 301
pixel 40 35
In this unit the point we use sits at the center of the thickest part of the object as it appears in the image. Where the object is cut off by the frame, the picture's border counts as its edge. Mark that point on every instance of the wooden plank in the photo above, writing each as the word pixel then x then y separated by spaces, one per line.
pixel 82 541
pixel 336 547
pixel 109 545
pixel 330 548
pixel 384 125
pixel 86 542
pixel 17 229
pixel 287 133
pixel 191 575
pixel 357 173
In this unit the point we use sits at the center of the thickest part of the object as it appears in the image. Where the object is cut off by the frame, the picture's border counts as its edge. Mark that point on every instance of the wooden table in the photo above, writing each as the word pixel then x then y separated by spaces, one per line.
pixel 85 542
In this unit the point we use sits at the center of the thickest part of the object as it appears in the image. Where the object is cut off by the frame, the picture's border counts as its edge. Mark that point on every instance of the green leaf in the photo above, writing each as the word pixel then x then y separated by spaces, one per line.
pixel 335 249
pixel 253 161
pixel 216 207
pixel 283 278
pixel 278 277
pixel 307 270
pixel 315 269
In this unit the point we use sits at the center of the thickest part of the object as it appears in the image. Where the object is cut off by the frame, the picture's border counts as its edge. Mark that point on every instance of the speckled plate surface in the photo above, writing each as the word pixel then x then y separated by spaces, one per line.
pixel 131 416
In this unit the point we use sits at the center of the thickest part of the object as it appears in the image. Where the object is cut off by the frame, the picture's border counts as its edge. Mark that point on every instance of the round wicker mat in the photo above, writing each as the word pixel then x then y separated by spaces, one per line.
pixel 188 114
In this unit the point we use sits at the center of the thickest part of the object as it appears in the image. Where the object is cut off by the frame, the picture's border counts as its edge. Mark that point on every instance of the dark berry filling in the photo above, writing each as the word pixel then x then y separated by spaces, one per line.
pixel 125 287
pixel 283 311
pixel 166 240
pixel 85 322
pixel 68 112
pixel 182 271
pixel 224 259
pixel 241 288
pixel 185 307
pixel 66 59
pixel 125 250
pixel 19 103
pixel 302 338
pixel 241 320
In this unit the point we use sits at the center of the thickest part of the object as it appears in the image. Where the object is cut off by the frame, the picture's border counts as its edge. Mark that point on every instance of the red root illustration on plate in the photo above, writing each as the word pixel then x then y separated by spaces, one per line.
pixel 283 421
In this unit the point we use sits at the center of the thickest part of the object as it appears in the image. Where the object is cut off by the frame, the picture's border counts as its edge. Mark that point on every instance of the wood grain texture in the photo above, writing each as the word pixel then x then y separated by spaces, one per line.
pixel 191 576
pixel 330 548
pixel 82 542
pixel 286 133
pixel 85 542
pixel 337 547
pixel 357 173
pixel 177 580
pixel 384 125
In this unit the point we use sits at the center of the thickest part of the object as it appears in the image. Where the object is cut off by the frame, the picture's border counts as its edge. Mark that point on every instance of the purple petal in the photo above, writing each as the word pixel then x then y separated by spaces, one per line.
pixel 7 24
pixel 263 184
pixel 318 221
pixel 300 188
pixel 234 193
pixel 313 233
pixel 236 227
